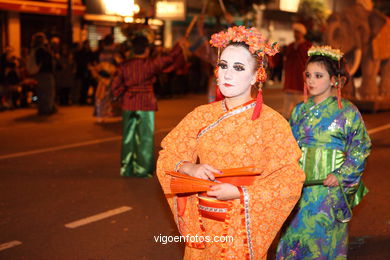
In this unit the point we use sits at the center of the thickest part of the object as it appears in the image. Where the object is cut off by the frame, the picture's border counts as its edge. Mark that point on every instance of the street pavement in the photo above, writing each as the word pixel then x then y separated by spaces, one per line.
pixel 61 196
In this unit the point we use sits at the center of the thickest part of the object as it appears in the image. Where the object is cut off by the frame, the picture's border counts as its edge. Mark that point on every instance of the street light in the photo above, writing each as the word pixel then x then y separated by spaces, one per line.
pixel 124 8
pixel 289 5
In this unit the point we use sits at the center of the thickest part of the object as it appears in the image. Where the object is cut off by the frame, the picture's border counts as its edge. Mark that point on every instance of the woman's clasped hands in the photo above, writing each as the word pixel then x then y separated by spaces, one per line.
pixel 222 191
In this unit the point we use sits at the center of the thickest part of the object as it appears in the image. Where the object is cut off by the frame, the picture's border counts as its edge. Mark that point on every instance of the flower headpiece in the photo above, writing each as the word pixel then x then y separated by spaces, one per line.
pixel 258 45
pixel 251 36
pixel 327 51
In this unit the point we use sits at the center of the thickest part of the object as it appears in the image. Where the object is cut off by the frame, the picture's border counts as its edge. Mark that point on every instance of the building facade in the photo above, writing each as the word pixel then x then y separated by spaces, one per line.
pixel 20 19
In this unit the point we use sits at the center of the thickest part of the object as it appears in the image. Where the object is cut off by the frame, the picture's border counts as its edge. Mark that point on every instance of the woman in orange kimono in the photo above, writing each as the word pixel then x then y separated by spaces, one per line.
pixel 236 132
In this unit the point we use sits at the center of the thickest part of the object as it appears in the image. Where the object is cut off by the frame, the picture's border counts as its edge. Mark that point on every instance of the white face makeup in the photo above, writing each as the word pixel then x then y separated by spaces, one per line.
pixel 236 72
pixel 318 81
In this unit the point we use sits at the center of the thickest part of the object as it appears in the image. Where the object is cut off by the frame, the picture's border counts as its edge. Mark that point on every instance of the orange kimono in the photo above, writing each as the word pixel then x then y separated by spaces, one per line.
pixel 222 138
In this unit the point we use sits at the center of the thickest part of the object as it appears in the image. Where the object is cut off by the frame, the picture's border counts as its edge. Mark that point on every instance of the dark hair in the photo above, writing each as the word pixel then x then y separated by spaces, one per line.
pixel 334 68
pixel 108 40
pixel 140 43
pixel 38 40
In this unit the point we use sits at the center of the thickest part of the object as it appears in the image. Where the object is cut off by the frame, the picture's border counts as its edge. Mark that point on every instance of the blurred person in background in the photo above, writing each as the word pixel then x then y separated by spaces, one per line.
pixel 103 72
pixel 275 64
pixel 45 88
pixel 65 75
pixel 83 58
pixel 10 66
pixel 28 83
pixel 295 58
pixel 133 83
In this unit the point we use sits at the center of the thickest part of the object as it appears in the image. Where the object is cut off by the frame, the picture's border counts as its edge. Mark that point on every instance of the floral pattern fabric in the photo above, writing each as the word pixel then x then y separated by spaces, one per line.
pixel 233 141
pixel 314 231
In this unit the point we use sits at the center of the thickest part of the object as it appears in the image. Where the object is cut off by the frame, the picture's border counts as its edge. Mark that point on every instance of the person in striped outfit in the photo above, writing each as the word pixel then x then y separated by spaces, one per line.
pixel 133 84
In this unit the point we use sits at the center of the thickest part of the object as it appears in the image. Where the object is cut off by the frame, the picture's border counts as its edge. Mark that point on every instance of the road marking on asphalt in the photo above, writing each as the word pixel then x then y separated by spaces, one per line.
pixel 61 147
pixel 68 146
pixel 115 138
pixel 378 129
pixel 9 245
pixel 98 217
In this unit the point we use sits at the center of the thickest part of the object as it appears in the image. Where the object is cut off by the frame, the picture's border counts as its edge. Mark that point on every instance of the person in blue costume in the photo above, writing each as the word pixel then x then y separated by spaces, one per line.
pixel 335 145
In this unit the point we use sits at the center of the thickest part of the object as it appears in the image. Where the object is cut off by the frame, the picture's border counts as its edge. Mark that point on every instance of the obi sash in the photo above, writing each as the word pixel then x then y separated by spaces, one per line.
pixel 317 163
pixel 215 209
pixel 212 208
pixel 182 185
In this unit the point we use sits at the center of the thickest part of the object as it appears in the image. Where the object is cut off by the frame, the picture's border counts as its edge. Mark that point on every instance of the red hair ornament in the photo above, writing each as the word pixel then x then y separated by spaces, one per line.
pixel 260 78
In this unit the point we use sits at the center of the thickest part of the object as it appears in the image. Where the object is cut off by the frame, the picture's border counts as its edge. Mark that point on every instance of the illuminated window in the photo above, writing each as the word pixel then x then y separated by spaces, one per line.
pixel 121 7
pixel 289 5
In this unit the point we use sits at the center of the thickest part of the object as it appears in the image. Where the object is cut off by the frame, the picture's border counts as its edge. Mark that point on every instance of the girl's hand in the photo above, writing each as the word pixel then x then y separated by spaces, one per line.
pixel 224 191
pixel 201 171
pixel 331 181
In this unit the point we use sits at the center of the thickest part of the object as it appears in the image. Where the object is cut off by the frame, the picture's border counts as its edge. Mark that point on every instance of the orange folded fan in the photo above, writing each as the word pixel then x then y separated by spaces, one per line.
pixel 244 176
pixel 182 183
pixel 235 172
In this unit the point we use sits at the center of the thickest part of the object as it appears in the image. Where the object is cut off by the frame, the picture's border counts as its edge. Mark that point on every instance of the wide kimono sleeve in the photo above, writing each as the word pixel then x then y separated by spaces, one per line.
pixel 357 149
pixel 294 120
pixel 178 146
pixel 274 194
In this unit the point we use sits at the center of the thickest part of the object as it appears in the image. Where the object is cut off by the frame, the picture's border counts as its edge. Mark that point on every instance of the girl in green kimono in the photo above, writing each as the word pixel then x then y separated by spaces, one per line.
pixel 335 145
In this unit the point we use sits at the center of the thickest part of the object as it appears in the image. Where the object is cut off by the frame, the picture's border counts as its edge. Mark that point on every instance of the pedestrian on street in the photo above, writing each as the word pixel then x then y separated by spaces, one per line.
pixel 105 107
pixel 133 83
pixel 335 145
pixel 45 89
pixel 245 212
pixel 84 57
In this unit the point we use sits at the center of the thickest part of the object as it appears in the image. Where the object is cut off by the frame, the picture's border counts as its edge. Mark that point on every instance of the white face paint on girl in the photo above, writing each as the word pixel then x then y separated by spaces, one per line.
pixel 318 81
pixel 236 72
